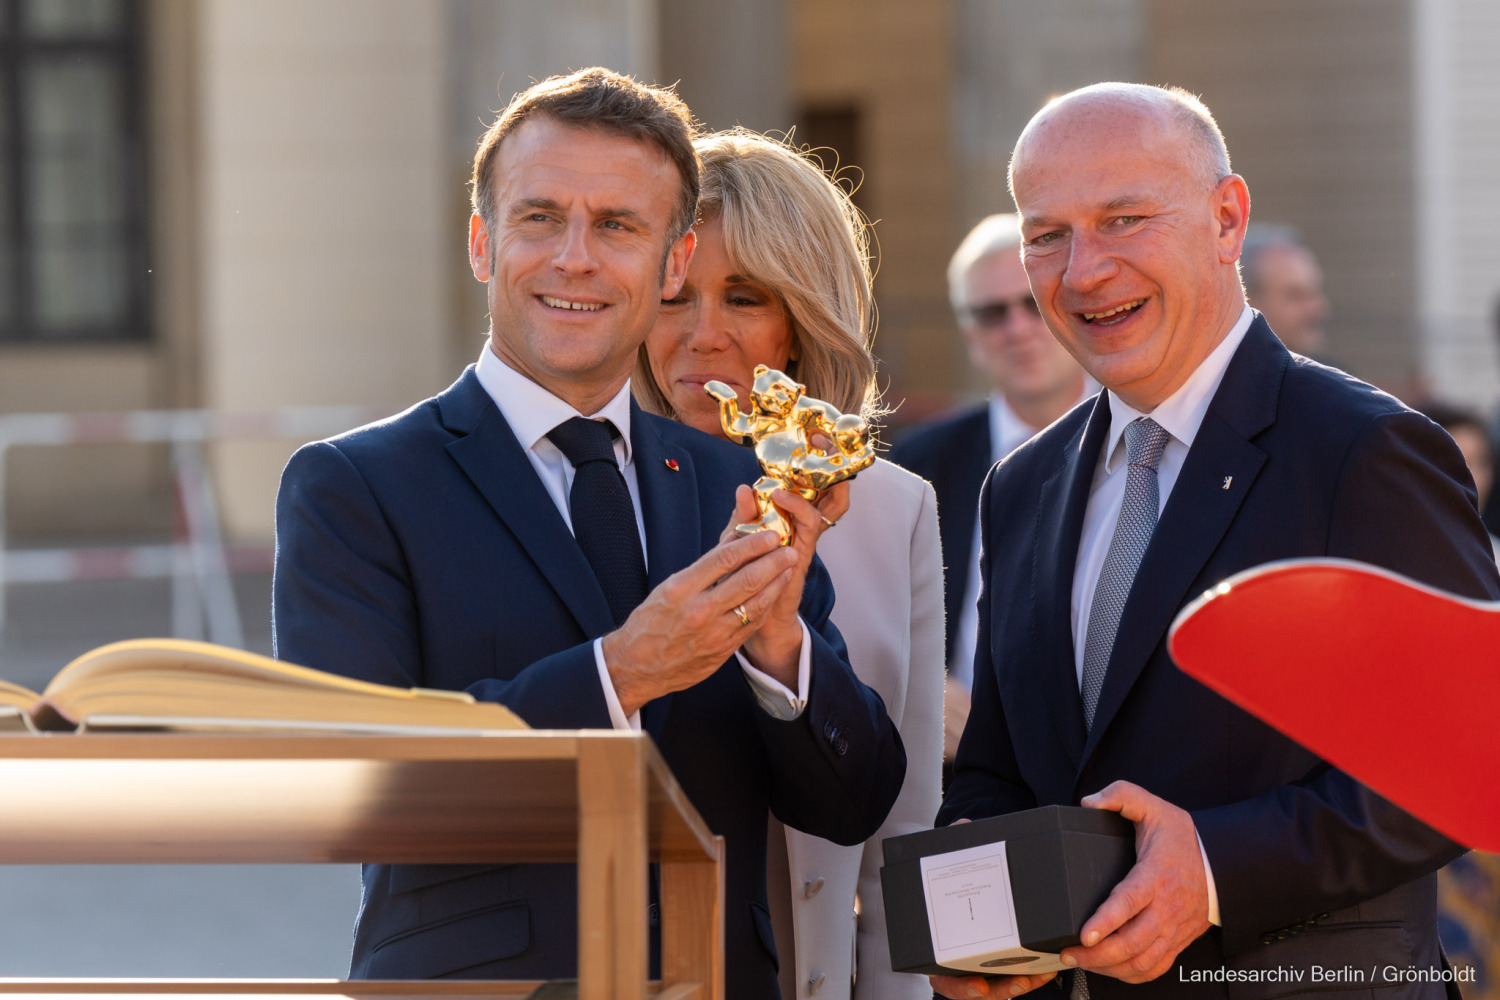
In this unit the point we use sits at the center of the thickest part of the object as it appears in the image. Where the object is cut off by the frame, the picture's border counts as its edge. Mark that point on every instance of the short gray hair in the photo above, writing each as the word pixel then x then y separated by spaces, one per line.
pixel 1187 110
pixel 1260 237
pixel 994 234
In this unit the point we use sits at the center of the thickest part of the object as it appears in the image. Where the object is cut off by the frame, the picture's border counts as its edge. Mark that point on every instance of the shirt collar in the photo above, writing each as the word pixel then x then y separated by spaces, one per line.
pixel 1182 413
pixel 532 412
pixel 1008 431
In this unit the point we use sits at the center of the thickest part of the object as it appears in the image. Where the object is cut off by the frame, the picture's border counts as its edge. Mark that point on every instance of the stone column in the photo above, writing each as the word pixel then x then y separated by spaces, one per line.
pixel 1457 154
pixel 323 216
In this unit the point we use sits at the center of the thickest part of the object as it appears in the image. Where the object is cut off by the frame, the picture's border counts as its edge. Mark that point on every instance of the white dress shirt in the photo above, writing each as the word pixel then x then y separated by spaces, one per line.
pixel 1007 433
pixel 1180 415
pixel 532 412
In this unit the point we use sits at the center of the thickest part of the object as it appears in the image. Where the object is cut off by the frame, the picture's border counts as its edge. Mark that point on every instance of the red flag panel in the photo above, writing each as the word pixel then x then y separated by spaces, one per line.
pixel 1394 682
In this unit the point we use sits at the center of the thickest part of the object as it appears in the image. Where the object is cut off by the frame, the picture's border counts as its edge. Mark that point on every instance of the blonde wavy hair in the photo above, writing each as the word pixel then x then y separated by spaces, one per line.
pixel 789 226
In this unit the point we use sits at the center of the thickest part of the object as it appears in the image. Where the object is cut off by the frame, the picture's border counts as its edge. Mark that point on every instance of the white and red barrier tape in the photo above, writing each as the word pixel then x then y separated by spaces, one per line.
pixel 199 555
pixel 156 426
pixel 131 562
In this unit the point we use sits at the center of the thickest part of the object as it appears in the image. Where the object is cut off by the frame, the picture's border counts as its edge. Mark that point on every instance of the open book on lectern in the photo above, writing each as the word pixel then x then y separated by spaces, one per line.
pixel 174 684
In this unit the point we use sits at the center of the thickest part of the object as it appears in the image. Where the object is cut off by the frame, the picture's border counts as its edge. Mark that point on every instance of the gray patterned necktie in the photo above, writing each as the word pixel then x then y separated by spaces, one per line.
pixel 1145 440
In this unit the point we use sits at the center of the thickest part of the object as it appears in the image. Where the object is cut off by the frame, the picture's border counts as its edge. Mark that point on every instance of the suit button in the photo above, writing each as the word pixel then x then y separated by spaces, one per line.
pixel 835 739
pixel 812 886
pixel 815 982
pixel 653 915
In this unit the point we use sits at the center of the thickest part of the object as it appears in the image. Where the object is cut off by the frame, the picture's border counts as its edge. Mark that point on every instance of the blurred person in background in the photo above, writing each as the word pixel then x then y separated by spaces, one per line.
pixel 781 277
pixel 1468 432
pixel 1469 888
pixel 1033 381
pixel 1469 920
pixel 1283 280
pixel 1491 510
pixel 531 537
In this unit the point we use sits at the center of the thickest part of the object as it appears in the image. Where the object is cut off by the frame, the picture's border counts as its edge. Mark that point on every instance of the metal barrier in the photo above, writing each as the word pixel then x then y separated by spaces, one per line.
pixel 198 561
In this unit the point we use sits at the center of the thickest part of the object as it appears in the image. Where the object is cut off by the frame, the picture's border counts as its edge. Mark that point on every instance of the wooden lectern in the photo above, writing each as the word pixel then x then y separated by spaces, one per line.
pixel 602 798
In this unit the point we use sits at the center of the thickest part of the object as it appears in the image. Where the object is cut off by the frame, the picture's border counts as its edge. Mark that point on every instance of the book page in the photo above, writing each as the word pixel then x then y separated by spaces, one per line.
pixel 149 683
pixel 16 695
pixel 186 724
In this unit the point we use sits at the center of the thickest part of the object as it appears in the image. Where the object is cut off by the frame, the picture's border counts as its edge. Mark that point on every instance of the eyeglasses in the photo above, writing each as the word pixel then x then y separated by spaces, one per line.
pixel 993 315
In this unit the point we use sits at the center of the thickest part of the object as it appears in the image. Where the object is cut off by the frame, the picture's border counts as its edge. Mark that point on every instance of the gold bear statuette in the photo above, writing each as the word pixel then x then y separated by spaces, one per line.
pixel 781 425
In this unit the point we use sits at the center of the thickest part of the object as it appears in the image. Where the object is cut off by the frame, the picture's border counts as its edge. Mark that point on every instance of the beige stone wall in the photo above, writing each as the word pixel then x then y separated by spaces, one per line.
pixel 82 493
pixel 1458 235
pixel 496 48
pixel 337 141
pixel 1013 57
pixel 730 60
pixel 323 185
pixel 894 61
pixel 308 162
pixel 1316 103
pixel 1368 124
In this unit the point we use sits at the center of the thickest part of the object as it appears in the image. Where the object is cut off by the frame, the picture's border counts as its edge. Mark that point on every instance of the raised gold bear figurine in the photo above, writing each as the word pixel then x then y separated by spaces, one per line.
pixel 781 425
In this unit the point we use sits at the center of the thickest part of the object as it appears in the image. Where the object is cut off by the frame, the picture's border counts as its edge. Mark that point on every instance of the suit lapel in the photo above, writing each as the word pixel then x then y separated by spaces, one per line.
pixel 492 458
pixel 1062 502
pixel 1198 513
pixel 669 499
pixel 959 502
pixel 670 508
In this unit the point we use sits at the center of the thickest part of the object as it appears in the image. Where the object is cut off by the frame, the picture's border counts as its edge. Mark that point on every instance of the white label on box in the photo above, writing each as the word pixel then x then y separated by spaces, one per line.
pixel 972 914
pixel 970 910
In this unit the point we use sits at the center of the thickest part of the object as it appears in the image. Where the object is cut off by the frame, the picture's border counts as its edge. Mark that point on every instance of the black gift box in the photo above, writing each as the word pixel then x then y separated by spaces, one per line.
pixel 1062 861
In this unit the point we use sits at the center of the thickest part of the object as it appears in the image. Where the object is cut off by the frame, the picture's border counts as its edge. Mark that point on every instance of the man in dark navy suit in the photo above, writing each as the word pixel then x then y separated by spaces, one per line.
pixel 530 536
pixel 1213 449
pixel 1034 381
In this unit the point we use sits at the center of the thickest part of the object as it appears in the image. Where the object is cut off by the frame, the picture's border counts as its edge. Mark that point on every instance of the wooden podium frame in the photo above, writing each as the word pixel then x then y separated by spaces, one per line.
pixel 601 798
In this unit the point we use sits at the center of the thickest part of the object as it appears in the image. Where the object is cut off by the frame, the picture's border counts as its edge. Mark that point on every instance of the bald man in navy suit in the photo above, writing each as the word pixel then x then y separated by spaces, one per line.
pixel 1211 450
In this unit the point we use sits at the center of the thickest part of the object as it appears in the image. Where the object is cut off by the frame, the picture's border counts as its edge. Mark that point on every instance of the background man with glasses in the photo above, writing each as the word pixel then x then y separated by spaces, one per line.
pixel 1034 381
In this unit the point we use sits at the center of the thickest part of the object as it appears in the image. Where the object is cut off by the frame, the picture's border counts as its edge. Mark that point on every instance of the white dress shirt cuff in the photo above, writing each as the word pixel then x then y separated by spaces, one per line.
pixel 772 695
pixel 1213 891
pixel 617 713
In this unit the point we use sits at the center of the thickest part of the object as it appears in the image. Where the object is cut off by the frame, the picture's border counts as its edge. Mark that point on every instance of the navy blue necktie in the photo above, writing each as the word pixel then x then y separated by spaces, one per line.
pixel 603 516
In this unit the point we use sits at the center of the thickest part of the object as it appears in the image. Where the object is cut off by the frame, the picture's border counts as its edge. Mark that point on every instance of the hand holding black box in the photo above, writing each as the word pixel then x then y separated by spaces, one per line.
pixel 1001 896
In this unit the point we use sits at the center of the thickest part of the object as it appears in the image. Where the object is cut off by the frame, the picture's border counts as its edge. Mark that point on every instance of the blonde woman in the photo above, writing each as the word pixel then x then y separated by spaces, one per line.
pixel 781 277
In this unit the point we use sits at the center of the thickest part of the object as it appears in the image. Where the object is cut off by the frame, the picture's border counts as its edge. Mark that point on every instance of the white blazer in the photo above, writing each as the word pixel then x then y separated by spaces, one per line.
pixel 887 571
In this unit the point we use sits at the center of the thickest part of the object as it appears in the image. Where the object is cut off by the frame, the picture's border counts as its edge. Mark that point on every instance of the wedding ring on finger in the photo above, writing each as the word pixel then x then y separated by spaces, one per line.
pixel 827 523
pixel 739 612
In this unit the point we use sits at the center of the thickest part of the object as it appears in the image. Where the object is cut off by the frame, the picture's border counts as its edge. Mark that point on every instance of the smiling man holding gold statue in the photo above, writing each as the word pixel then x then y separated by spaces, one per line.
pixel 533 537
